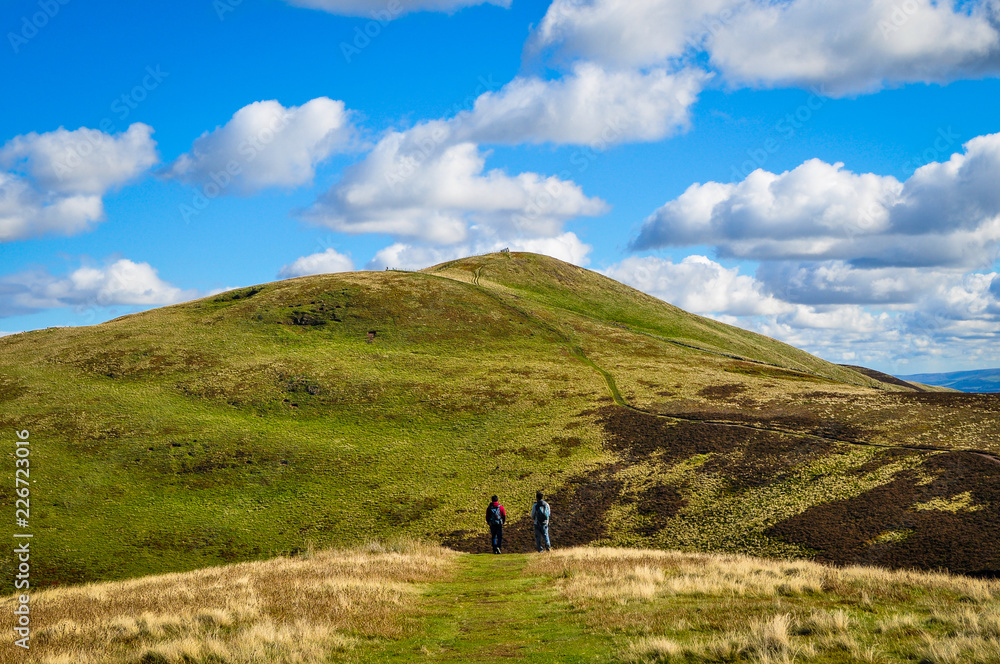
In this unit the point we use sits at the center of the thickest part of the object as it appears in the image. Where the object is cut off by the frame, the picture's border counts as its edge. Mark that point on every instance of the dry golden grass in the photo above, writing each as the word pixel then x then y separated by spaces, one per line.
pixel 284 610
pixel 688 607
pixel 621 575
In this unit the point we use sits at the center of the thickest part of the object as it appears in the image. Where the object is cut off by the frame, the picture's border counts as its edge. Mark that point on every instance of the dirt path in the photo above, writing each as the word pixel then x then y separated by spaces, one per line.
pixel 492 611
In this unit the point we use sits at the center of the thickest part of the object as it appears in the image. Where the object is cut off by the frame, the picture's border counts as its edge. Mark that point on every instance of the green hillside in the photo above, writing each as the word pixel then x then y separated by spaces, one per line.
pixel 331 409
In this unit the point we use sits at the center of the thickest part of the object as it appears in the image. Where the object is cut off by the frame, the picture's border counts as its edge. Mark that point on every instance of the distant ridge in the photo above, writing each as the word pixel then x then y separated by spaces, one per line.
pixel 884 377
pixel 983 380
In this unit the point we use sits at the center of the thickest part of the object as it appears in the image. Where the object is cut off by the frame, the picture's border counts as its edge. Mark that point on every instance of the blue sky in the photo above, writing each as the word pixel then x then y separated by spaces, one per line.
pixel 828 174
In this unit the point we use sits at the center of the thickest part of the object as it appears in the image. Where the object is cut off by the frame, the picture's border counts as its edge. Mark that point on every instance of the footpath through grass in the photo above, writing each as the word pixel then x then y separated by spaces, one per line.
pixel 491 610
pixel 412 602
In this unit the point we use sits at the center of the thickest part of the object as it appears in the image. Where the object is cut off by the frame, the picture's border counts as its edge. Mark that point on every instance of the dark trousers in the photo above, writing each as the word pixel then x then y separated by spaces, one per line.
pixel 496 535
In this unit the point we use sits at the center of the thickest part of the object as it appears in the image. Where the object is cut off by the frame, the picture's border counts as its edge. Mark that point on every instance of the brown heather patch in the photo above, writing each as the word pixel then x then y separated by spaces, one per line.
pixel 659 504
pixel 579 517
pixel 884 377
pixel 10 388
pixel 141 360
pixel 883 526
pixel 747 457
pixel 722 391
pixel 790 417
pixel 989 403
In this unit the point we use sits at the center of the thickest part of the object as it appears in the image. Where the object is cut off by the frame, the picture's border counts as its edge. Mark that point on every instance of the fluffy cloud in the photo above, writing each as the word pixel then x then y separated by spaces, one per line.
pixel 944 314
pixel 846 47
pixel 389 9
pixel 56 180
pixel 590 105
pixel 846 261
pixel 855 46
pixel 321 263
pixel 946 214
pixel 266 145
pixel 566 247
pixel 417 184
pixel 699 285
pixel 428 184
pixel 84 161
pixel 625 33
pixel 837 282
pixel 123 282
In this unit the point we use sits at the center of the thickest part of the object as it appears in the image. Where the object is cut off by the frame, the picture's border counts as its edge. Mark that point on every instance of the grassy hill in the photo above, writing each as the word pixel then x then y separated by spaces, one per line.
pixel 416 603
pixel 331 409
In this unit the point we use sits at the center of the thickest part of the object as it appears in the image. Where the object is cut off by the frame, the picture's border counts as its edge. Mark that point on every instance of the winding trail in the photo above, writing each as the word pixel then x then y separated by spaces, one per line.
pixel 616 395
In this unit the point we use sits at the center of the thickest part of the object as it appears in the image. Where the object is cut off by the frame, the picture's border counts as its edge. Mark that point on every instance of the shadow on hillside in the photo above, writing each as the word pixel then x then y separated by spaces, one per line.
pixel 942 514
pixel 579 513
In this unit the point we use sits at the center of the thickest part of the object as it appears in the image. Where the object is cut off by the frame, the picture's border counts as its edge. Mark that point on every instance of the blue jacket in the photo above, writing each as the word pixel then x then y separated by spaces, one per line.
pixel 540 512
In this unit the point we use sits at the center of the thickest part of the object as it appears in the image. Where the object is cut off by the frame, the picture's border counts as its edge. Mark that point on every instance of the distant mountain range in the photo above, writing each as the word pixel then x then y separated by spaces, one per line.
pixel 984 380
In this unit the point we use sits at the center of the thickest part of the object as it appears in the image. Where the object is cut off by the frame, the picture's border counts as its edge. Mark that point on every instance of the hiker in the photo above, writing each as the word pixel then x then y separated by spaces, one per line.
pixel 496 516
pixel 540 513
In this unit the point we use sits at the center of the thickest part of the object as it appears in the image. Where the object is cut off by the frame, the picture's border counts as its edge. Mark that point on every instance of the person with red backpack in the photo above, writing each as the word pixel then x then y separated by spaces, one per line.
pixel 496 516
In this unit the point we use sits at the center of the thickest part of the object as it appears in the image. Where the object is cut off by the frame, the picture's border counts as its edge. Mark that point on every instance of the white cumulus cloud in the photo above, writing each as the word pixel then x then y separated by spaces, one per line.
pixel 55 181
pixel 844 47
pixel 626 33
pixel 901 317
pixel 698 284
pixel 853 46
pixel 946 214
pixel 417 184
pixel 321 263
pixel 266 145
pixel 123 282
pixel 589 105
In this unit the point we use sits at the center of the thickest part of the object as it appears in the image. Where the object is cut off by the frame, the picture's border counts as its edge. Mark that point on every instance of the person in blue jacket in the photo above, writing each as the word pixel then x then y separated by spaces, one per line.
pixel 540 513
